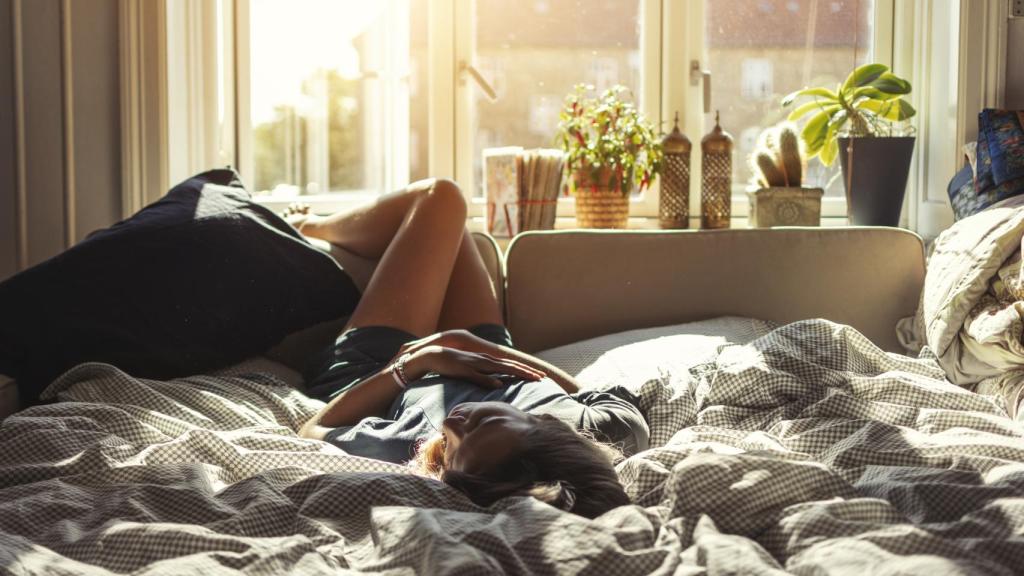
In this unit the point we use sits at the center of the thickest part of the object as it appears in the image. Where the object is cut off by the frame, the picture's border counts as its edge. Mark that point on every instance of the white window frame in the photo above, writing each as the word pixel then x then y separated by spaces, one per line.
pixel 671 37
pixel 395 136
pixel 686 96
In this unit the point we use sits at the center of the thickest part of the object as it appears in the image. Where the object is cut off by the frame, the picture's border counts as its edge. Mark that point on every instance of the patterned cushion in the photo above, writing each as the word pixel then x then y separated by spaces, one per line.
pixel 962 196
pixel 998 166
pixel 1002 129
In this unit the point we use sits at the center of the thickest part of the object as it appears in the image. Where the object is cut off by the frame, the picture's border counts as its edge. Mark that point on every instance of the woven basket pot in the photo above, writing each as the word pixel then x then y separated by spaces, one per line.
pixel 599 203
pixel 597 208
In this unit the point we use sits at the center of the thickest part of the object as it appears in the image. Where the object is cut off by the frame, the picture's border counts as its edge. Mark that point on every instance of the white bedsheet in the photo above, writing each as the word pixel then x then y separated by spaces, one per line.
pixel 808 450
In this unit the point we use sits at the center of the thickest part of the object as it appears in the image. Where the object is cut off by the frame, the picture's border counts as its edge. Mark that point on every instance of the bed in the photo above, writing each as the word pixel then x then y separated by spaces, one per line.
pixel 787 436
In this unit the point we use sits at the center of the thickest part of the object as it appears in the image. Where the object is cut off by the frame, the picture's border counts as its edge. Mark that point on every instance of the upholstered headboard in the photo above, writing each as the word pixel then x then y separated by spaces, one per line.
pixel 562 287
pixel 567 286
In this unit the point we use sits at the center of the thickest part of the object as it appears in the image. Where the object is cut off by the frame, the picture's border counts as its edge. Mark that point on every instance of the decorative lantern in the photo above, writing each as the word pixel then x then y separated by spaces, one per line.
pixel 716 178
pixel 674 199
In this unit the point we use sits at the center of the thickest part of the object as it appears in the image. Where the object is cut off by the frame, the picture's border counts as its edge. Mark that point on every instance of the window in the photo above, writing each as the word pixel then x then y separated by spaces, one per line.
pixel 340 98
pixel 334 96
pixel 532 54
pixel 770 48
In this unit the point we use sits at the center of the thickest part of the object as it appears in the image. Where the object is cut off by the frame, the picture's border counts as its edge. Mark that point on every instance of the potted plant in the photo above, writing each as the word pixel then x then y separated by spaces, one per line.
pixel 778 166
pixel 862 122
pixel 610 149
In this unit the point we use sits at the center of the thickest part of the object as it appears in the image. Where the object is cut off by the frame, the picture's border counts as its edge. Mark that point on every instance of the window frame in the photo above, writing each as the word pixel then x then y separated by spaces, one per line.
pixel 644 206
pixel 672 35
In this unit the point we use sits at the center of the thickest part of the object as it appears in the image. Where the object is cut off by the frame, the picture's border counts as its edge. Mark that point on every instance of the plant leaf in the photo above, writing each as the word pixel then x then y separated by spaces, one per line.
pixel 802 110
pixel 823 92
pixel 906 110
pixel 872 92
pixel 831 148
pixel 837 120
pixel 814 133
pixel 892 110
pixel 864 75
pixel 890 83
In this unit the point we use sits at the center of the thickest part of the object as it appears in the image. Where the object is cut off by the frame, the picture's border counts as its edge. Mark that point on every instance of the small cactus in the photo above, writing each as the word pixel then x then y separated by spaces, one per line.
pixel 771 175
pixel 789 153
pixel 778 159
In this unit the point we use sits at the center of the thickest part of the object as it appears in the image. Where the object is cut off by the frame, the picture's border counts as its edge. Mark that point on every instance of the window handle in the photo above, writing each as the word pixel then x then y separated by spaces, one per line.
pixel 697 75
pixel 465 67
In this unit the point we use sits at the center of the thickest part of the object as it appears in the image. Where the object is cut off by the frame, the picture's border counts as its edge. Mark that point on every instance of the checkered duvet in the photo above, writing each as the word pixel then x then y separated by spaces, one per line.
pixel 808 450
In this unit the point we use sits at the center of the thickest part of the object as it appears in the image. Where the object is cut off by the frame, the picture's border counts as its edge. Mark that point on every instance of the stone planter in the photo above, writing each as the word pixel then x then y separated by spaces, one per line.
pixel 782 206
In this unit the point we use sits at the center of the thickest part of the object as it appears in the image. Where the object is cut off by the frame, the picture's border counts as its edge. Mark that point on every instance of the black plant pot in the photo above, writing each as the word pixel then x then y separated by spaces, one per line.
pixel 878 182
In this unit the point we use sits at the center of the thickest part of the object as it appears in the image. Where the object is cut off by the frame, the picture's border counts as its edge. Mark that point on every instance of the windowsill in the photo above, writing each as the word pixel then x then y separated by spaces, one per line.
pixel 476 224
pixel 328 203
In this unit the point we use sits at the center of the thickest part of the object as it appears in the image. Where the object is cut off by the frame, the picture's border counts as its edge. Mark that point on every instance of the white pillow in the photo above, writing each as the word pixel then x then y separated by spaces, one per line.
pixel 646 353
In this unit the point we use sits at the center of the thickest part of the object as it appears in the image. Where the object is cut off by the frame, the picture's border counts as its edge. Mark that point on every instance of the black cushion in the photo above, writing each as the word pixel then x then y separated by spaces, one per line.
pixel 200 279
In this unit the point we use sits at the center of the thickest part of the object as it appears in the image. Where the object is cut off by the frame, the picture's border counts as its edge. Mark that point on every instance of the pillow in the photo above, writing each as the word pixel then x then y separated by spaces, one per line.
pixel 632 355
pixel 200 279
pixel 985 186
pixel 997 165
pixel 962 196
pixel 1005 138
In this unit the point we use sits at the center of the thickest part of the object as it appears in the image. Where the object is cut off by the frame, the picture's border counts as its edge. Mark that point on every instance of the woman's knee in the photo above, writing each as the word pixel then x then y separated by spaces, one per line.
pixel 445 195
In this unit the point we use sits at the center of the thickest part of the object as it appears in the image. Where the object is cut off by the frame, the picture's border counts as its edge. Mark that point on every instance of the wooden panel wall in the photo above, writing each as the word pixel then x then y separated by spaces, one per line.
pixel 8 182
pixel 1014 67
pixel 60 150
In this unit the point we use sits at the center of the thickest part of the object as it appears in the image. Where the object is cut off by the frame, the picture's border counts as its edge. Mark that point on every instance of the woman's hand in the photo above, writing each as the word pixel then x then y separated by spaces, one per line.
pixel 460 339
pixel 478 368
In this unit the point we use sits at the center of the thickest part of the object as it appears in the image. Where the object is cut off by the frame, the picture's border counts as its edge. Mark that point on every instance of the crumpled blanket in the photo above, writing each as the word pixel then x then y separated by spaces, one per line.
pixel 971 313
pixel 808 450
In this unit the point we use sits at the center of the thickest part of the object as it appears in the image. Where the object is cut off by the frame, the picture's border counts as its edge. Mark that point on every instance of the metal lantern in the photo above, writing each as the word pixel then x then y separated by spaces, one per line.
pixel 674 199
pixel 716 178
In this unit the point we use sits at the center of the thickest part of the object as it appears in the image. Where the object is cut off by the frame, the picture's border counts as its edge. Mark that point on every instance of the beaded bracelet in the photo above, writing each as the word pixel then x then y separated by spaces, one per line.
pixel 398 372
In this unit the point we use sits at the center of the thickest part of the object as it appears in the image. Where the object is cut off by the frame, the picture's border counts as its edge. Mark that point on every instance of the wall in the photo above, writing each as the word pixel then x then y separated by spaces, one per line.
pixel 1014 65
pixel 60 168
pixel 8 230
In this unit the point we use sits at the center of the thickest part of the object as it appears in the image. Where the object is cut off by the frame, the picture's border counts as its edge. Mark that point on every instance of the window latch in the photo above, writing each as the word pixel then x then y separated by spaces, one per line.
pixel 698 75
pixel 467 68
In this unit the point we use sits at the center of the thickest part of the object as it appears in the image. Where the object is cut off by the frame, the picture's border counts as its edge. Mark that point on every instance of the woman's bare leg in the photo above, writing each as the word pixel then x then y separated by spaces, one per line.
pixel 417 235
pixel 368 231
pixel 470 299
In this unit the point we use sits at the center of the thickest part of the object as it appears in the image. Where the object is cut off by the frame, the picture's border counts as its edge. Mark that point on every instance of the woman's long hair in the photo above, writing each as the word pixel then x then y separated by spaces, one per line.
pixel 557 465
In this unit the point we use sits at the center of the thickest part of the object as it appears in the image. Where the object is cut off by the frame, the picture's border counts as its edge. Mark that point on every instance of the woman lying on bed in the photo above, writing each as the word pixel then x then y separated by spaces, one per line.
pixel 426 372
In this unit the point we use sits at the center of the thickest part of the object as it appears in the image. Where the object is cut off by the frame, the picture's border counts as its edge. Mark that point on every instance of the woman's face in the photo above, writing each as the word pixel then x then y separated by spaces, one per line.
pixel 479 436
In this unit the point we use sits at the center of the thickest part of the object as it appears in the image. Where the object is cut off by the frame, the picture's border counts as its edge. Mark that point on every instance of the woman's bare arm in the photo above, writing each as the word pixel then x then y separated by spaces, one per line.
pixel 375 394
pixel 369 397
pixel 563 379
pixel 465 340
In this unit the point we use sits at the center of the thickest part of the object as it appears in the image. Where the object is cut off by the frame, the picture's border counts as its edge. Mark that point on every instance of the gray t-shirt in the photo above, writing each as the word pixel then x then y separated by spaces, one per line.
pixel 611 415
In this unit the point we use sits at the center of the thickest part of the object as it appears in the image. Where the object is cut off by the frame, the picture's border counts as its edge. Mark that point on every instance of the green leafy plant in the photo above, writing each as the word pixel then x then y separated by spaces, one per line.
pixel 607 141
pixel 867 104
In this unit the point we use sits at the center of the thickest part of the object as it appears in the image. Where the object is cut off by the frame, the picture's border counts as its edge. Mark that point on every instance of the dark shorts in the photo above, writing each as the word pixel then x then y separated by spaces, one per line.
pixel 362 352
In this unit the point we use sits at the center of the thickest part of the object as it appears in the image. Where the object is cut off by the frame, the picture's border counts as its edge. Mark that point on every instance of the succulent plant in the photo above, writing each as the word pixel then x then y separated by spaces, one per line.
pixel 868 103
pixel 778 158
